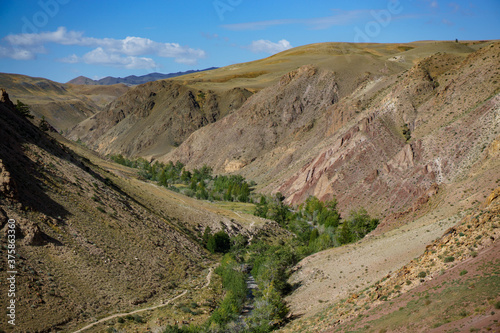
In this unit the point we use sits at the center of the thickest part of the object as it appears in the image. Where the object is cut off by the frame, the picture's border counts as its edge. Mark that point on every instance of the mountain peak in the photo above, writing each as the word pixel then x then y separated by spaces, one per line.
pixel 83 80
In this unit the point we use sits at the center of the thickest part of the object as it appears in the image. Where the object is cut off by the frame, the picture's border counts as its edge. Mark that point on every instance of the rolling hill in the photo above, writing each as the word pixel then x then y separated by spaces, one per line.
pixel 62 105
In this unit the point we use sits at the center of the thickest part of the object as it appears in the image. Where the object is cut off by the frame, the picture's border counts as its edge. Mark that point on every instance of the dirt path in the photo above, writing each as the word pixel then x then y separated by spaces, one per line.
pixel 209 279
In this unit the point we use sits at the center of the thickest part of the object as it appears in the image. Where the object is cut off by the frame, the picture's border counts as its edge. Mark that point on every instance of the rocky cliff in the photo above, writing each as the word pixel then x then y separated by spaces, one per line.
pixel 451 109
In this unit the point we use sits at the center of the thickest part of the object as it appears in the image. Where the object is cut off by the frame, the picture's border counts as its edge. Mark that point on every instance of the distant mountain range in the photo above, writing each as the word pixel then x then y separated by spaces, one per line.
pixel 132 79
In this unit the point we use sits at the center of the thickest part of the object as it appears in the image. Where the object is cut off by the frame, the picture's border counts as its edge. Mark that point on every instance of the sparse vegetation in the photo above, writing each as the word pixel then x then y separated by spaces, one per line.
pixel 406 132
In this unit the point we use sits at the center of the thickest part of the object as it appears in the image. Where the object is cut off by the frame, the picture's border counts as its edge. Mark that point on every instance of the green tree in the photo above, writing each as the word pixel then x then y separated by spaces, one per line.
pixel 278 211
pixel 345 235
pixel 228 196
pixel 163 179
pixel 361 223
pixel 186 176
pixel 207 234
pixel 323 242
pixel 23 109
pixel 193 185
pixel 269 311
pixel 261 207
pixel 314 236
pixel 219 242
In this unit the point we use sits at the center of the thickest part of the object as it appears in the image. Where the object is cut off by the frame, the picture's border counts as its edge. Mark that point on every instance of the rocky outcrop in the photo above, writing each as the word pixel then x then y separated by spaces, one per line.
pixel 8 187
pixel 33 236
pixel 5 100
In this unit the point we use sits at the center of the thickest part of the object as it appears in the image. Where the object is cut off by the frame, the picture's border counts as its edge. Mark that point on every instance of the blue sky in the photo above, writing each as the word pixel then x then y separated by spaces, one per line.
pixel 62 39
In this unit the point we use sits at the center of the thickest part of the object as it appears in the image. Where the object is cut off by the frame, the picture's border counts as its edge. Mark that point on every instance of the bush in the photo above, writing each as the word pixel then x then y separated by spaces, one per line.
pixel 449 259
pixel 219 242
pixel 186 309
pixel 406 132
pixel 463 272
pixel 189 192
pixel 422 274
pixel 138 319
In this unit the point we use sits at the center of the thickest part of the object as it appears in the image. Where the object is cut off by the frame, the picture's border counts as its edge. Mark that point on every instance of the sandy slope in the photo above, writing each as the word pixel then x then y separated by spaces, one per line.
pixel 353 267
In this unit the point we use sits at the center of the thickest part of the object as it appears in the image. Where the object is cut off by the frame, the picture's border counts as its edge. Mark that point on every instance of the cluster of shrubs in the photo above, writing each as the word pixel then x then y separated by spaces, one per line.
pixel 318 225
pixel 219 242
pixel 270 267
pixel 199 183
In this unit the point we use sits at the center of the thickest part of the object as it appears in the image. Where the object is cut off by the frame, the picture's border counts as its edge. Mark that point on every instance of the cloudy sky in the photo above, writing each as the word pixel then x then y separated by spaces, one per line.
pixel 62 39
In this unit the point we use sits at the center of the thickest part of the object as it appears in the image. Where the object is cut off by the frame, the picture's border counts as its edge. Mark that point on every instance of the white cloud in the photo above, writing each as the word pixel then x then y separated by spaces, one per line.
pixel 434 4
pixel 72 59
pixel 100 57
pixel 267 46
pixel 15 53
pixel 60 36
pixel 114 49
pixel 21 53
